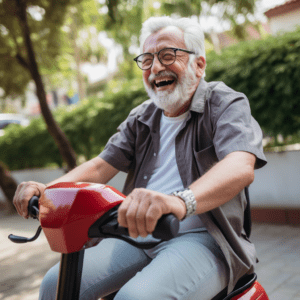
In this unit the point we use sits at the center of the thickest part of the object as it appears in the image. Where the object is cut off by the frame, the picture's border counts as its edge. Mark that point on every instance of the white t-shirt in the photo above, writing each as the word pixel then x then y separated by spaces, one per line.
pixel 166 166
pixel 166 178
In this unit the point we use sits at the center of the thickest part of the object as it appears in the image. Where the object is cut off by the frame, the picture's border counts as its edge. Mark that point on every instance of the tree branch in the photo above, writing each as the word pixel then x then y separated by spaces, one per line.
pixel 22 61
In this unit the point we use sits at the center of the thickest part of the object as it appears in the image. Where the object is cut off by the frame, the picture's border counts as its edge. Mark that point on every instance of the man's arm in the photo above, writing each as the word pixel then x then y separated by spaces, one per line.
pixel 142 208
pixel 95 170
pixel 223 181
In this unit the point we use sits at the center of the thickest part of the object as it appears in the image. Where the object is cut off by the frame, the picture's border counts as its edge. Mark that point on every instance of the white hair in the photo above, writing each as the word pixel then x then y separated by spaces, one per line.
pixel 192 31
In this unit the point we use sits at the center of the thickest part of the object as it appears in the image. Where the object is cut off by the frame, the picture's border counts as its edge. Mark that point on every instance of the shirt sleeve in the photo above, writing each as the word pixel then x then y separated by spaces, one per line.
pixel 120 148
pixel 234 127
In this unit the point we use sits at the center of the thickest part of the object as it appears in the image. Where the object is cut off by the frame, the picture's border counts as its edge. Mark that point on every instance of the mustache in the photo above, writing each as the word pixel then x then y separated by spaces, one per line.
pixel 153 77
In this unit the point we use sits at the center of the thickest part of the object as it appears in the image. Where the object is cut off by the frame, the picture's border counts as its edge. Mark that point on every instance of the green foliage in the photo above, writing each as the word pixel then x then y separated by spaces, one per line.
pixel 21 148
pixel 222 10
pixel 52 25
pixel 268 72
pixel 88 126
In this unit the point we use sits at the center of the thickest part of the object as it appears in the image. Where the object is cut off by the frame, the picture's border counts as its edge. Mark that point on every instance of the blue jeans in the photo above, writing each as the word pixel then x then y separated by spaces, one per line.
pixel 190 266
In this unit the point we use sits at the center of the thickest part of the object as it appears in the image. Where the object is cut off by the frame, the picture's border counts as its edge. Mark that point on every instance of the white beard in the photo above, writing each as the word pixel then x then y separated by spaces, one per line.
pixel 172 101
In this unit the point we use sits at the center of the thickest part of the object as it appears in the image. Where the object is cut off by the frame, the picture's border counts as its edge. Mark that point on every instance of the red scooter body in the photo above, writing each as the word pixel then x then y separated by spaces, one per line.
pixel 255 292
pixel 67 210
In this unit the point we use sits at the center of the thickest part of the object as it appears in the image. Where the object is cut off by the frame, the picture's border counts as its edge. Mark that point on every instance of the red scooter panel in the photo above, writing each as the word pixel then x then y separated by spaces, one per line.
pixel 255 292
pixel 68 209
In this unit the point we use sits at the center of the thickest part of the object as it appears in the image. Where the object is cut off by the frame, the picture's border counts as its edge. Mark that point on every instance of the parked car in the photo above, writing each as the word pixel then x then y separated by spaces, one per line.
pixel 7 119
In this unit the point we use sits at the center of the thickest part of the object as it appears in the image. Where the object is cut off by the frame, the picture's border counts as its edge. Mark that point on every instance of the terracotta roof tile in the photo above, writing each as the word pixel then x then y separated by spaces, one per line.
pixel 283 9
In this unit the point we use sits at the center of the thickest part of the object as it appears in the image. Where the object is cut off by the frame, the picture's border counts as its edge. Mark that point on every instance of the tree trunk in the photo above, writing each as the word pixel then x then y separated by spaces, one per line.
pixel 80 79
pixel 8 185
pixel 63 144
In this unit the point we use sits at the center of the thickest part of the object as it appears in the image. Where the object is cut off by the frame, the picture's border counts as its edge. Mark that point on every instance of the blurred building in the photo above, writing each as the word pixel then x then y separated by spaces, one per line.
pixel 253 32
pixel 285 17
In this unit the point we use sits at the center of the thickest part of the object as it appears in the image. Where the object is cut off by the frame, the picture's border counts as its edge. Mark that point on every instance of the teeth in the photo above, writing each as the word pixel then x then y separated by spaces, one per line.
pixel 163 82
pixel 158 81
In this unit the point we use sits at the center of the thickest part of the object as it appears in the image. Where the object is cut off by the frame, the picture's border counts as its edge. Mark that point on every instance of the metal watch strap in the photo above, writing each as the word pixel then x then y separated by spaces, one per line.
pixel 189 199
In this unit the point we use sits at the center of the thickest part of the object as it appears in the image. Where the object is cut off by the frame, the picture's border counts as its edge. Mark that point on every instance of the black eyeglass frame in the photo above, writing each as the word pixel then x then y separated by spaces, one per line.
pixel 174 49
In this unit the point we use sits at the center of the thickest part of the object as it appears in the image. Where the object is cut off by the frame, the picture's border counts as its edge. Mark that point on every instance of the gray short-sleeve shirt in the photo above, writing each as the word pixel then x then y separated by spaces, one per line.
pixel 219 122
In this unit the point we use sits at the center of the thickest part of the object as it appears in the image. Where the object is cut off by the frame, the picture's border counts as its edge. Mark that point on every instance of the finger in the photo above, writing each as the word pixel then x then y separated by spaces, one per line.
pixel 15 201
pixel 30 189
pixel 18 199
pixel 122 210
pixel 141 218
pixel 154 213
pixel 131 218
pixel 25 191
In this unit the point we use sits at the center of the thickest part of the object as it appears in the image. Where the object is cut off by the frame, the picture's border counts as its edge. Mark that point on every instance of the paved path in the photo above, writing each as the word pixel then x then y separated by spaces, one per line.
pixel 22 266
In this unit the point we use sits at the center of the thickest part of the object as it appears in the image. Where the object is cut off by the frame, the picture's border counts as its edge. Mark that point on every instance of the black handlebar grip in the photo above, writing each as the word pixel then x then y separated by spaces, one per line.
pixel 33 207
pixel 167 227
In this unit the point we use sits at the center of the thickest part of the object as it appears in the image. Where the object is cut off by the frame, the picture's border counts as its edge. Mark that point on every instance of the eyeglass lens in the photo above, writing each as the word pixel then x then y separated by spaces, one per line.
pixel 165 56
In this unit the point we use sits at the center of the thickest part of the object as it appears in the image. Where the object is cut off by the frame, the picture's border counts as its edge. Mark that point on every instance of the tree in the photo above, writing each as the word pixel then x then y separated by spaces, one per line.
pixel 30 36
pixel 79 44
pixel 124 18
pixel 8 185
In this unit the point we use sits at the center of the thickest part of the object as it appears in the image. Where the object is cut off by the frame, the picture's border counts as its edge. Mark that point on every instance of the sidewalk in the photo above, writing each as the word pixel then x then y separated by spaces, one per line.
pixel 22 266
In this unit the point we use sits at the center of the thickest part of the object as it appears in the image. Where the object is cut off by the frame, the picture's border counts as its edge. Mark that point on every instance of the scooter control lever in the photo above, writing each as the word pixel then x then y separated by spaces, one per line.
pixel 33 212
pixel 22 239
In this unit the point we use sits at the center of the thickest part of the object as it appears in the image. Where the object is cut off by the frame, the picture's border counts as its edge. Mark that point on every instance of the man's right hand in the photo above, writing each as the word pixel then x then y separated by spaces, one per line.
pixel 24 192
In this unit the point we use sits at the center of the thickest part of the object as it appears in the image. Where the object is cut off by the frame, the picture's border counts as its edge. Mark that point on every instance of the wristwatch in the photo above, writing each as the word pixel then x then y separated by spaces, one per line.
pixel 189 199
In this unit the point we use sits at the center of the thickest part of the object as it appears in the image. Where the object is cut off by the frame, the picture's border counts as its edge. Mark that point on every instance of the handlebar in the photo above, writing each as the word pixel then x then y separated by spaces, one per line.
pixel 107 226
pixel 33 207
pixel 166 228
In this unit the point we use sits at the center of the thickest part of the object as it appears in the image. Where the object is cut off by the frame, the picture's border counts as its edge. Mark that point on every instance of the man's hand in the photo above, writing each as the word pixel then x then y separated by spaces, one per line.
pixel 24 192
pixel 142 208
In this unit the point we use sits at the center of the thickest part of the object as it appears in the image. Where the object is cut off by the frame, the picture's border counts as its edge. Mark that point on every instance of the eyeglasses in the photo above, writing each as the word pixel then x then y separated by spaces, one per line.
pixel 166 56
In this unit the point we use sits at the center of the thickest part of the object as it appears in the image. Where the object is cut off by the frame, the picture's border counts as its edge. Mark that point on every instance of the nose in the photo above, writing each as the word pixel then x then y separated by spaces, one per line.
pixel 157 66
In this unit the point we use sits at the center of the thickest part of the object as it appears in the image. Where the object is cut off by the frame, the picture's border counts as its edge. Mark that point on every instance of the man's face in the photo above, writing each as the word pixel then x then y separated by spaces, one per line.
pixel 171 87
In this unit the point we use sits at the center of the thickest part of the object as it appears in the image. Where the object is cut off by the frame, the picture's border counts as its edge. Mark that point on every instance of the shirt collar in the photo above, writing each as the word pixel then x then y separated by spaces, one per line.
pixel 151 115
pixel 198 101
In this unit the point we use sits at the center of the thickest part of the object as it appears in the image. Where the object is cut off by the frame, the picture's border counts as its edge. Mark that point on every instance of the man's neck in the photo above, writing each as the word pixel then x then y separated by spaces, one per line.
pixel 179 112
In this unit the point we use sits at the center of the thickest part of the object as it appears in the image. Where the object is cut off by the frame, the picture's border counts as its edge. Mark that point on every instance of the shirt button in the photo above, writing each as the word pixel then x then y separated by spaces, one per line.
pixel 145 177
pixel 154 154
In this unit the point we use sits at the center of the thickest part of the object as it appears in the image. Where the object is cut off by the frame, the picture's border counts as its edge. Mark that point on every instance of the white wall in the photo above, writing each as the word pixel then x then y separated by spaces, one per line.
pixel 278 183
pixel 286 22
pixel 275 185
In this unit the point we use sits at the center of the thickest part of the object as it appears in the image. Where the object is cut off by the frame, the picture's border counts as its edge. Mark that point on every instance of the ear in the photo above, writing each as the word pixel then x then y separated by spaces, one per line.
pixel 200 64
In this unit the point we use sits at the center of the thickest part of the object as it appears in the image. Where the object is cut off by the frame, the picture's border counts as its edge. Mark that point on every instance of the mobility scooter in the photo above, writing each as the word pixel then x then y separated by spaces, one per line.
pixel 76 216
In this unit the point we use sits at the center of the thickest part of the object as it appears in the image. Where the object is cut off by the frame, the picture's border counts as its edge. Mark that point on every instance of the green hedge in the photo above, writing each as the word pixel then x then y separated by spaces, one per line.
pixel 87 125
pixel 268 72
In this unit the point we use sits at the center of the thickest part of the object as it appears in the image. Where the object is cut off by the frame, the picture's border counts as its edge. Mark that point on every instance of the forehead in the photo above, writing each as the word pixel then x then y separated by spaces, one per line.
pixel 167 37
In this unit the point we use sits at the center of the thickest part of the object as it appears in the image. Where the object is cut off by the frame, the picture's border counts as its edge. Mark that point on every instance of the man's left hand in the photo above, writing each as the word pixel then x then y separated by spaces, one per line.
pixel 142 208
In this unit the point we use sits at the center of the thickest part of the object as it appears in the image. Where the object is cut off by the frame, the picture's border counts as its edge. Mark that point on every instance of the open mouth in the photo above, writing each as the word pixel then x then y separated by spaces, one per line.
pixel 163 83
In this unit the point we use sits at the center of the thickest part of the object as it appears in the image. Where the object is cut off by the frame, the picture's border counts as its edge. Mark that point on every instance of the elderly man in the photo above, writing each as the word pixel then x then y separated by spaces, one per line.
pixel 190 150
